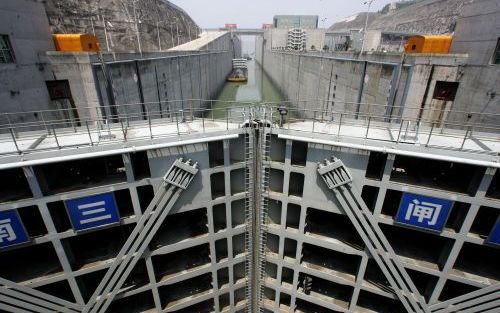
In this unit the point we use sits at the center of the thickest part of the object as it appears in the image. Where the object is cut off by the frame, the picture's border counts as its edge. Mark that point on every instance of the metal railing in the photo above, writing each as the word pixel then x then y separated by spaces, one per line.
pixel 26 132
pixel 130 122
pixel 404 125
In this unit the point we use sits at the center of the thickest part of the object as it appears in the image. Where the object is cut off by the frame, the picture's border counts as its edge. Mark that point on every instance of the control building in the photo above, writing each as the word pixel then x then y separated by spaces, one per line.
pixel 295 21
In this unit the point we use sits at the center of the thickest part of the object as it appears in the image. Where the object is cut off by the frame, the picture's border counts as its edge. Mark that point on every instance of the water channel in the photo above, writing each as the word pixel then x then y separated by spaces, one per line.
pixel 258 88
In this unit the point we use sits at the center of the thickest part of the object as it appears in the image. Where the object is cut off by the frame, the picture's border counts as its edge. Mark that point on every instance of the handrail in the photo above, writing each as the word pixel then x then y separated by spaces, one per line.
pixel 24 135
pixel 252 103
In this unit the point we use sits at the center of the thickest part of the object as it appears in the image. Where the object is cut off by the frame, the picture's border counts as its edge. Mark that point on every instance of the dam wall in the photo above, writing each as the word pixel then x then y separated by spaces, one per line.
pixel 153 79
pixel 381 86
pixel 430 88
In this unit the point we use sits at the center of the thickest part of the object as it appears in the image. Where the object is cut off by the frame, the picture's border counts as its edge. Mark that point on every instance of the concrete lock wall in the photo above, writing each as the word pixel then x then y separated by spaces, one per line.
pixel 480 79
pixel 150 78
pixel 343 82
pixel 314 82
pixel 183 77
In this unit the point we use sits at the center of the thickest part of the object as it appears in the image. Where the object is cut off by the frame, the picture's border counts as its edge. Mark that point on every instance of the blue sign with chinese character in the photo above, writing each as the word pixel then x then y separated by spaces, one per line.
pixel 12 230
pixel 423 212
pixel 92 211
pixel 494 237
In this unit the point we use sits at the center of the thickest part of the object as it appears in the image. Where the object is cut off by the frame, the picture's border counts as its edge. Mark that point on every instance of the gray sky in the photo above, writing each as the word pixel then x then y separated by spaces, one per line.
pixel 253 13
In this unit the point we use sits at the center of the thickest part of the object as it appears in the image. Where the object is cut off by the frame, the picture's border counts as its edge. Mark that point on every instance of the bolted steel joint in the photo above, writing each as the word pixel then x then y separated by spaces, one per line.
pixel 334 173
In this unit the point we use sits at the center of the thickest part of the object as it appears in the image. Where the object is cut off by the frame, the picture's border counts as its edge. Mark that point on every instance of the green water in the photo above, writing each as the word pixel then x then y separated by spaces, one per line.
pixel 258 88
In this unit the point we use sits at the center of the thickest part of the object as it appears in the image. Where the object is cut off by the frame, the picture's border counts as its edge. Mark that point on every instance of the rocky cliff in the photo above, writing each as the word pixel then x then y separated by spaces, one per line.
pixel 356 21
pixel 124 25
pixel 425 17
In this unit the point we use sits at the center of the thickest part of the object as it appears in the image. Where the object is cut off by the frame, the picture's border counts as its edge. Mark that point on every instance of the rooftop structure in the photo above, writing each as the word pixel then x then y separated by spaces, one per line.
pixel 295 21
pixel 202 43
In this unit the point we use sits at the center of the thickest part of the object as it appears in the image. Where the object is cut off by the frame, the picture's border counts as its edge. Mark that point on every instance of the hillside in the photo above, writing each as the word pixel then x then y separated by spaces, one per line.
pixel 118 19
pixel 426 17
pixel 356 21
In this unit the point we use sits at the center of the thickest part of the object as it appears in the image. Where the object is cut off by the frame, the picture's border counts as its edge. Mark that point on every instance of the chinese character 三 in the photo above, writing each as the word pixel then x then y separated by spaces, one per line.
pixel 423 211
pixel 6 231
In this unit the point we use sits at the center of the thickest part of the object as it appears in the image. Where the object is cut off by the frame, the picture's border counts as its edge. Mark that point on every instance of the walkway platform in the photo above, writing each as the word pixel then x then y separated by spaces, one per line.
pixel 397 137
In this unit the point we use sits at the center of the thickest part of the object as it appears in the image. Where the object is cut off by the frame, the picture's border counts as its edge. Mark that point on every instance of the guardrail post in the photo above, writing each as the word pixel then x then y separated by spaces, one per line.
pixel 314 120
pixel 44 123
pixel 465 137
pixel 123 130
pixel 177 122
pixel 368 128
pixel 430 134
pixel 10 125
pixel 340 123
pixel 149 123
pixel 55 137
pixel 109 128
pixel 227 118
pixel 14 139
pixel 400 128
pixel 88 131
pixel 98 117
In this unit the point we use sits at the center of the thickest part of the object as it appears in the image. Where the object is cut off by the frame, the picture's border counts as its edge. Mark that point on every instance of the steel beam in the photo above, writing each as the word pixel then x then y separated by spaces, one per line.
pixel 177 179
pixel 19 298
pixel 476 301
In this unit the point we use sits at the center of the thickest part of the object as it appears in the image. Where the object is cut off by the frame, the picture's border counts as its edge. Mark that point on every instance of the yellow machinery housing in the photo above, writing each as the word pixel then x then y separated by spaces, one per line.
pixel 236 79
pixel 428 44
pixel 76 42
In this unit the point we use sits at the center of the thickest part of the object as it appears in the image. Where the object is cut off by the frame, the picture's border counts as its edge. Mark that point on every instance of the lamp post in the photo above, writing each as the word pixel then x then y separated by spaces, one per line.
pixel 137 27
pixel 105 31
pixel 158 32
pixel 172 34
pixel 177 26
pixel 369 2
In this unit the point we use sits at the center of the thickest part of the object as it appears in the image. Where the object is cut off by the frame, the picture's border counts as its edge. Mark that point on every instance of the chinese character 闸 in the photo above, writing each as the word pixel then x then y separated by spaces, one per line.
pixel 423 211
pixel 6 231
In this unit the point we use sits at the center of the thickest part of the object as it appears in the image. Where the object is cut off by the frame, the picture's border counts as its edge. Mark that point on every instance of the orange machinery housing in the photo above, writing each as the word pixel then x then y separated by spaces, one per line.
pixel 76 42
pixel 428 44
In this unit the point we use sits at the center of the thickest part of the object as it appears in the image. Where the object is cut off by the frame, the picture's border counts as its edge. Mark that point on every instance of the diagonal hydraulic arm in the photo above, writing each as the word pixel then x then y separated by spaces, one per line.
pixel 177 179
pixel 17 298
pixel 483 300
pixel 339 180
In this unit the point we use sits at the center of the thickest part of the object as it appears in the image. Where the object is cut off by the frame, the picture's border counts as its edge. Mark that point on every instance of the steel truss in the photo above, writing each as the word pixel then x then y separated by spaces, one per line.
pixel 18 298
pixel 339 180
pixel 174 182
